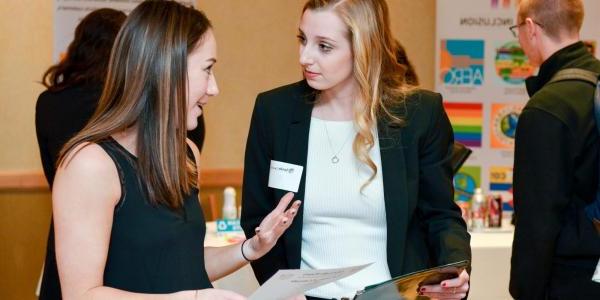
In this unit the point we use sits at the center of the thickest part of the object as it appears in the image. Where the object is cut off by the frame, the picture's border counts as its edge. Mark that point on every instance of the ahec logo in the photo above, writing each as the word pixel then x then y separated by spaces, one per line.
pixel 461 62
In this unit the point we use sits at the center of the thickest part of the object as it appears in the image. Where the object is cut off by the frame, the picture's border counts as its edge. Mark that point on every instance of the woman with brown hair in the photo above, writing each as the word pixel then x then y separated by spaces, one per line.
pixel 125 198
pixel 376 151
pixel 73 89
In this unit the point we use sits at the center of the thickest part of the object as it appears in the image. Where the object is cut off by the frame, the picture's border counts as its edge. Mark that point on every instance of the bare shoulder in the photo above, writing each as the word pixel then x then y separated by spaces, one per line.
pixel 88 170
pixel 86 155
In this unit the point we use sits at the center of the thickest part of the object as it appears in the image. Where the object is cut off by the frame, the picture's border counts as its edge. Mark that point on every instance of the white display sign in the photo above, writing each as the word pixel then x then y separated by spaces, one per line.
pixel 68 13
pixel 480 71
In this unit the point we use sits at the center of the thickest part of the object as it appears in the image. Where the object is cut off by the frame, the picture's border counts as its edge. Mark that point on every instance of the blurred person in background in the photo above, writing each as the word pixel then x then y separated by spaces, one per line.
pixel 555 248
pixel 73 87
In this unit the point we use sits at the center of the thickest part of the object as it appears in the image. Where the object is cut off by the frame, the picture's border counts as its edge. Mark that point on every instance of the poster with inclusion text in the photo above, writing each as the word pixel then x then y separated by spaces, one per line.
pixel 68 13
pixel 481 71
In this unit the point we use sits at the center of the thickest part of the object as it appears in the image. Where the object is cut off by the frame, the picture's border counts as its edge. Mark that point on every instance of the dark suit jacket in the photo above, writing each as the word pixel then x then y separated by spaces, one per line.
pixel 424 226
pixel 556 249
pixel 58 117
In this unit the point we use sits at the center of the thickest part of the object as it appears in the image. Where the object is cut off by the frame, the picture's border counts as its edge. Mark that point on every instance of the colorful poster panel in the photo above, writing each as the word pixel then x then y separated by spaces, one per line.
pixel 461 62
pixel 501 179
pixel 501 183
pixel 466 181
pixel 505 3
pixel 504 118
pixel 512 65
pixel 467 120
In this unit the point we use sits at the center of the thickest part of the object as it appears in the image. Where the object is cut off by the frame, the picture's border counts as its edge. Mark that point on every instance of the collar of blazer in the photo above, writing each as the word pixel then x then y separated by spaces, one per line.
pixel 389 134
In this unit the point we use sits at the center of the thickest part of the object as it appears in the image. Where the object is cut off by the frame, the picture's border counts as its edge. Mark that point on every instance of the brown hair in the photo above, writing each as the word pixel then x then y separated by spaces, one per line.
pixel 146 88
pixel 380 77
pixel 557 17
pixel 86 60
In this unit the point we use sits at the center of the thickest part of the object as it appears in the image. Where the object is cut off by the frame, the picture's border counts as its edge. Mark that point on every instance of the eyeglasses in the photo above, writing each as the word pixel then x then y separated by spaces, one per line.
pixel 513 29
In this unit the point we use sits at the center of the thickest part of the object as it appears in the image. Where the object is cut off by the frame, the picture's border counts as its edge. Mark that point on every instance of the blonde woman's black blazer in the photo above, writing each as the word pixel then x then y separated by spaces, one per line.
pixel 424 225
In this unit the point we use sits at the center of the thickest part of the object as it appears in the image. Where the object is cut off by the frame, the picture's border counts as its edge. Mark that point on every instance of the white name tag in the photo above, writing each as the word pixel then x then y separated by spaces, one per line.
pixel 596 276
pixel 285 176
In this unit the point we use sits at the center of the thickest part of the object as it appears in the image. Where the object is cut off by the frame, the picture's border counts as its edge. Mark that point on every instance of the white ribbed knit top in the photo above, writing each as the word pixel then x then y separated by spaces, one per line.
pixel 342 226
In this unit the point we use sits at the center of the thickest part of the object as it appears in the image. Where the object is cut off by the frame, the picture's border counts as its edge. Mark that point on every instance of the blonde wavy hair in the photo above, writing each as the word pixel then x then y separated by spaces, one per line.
pixel 381 78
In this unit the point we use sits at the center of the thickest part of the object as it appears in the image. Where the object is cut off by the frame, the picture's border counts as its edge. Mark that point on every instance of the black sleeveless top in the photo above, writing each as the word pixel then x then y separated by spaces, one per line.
pixel 153 249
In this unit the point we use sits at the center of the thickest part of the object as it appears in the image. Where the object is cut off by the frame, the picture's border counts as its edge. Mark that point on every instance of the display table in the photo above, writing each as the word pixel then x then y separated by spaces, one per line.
pixel 491 250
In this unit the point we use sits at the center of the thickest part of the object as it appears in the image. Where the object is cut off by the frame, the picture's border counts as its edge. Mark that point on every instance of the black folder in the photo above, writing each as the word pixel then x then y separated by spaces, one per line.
pixel 460 153
pixel 406 287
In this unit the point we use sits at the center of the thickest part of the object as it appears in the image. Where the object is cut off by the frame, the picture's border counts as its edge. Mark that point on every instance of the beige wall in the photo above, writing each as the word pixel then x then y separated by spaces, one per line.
pixel 25 52
pixel 257 51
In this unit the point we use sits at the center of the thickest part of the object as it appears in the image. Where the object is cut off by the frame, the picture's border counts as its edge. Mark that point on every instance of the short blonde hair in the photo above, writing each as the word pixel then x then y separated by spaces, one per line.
pixel 557 17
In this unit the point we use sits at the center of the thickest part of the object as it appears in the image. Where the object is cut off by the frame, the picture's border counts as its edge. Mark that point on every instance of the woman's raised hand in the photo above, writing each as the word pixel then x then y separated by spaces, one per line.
pixel 271 228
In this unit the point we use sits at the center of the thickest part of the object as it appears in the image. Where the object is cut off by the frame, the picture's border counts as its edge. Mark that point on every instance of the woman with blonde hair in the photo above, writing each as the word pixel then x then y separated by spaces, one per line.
pixel 125 198
pixel 377 181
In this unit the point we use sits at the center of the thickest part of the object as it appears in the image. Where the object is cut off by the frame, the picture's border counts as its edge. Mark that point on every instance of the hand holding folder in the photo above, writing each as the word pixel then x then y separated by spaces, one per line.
pixel 287 283
pixel 406 287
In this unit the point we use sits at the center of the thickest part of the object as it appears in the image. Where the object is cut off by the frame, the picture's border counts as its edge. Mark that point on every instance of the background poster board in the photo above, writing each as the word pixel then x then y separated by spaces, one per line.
pixel 68 13
pixel 480 71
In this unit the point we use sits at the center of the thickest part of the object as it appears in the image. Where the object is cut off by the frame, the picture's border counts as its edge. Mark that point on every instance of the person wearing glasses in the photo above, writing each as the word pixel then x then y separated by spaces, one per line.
pixel 555 248
pixel 377 180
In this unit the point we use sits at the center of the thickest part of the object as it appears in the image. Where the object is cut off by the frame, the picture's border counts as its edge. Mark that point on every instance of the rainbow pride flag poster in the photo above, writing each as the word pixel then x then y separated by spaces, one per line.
pixel 466 119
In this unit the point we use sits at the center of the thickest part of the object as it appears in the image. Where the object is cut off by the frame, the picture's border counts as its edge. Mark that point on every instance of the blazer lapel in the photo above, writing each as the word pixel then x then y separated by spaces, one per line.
pixel 296 152
pixel 395 193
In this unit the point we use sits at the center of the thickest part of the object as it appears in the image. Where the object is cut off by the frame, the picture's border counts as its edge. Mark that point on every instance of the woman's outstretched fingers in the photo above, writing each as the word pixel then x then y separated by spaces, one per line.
pixel 284 202
pixel 274 225
pixel 293 210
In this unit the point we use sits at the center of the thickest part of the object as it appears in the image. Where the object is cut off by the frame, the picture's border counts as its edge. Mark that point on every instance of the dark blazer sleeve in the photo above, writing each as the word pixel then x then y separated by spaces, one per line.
pixel 446 231
pixel 45 155
pixel 541 195
pixel 257 198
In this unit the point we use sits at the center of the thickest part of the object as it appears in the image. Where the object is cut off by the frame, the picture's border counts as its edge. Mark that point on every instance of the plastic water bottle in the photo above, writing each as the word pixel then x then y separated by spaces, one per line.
pixel 478 210
pixel 229 208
